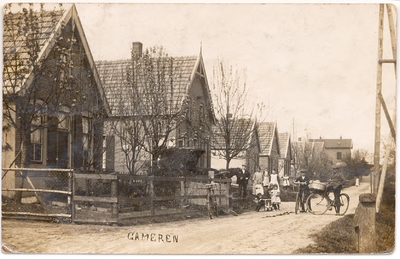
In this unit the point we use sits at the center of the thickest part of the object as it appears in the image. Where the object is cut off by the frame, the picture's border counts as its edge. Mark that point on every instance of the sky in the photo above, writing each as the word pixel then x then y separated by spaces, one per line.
pixel 313 65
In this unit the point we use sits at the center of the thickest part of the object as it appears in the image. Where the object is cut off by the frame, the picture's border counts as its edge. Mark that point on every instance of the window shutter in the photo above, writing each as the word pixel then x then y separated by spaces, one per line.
pixel 77 144
pixel 52 142
pixel 110 153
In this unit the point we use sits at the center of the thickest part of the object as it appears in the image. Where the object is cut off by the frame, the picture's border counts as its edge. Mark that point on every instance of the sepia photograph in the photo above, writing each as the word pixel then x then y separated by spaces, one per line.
pixel 198 128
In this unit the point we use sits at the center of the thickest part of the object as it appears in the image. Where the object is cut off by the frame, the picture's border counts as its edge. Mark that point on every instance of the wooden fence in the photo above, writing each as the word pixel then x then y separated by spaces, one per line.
pixel 104 198
pixel 153 196
pixel 36 193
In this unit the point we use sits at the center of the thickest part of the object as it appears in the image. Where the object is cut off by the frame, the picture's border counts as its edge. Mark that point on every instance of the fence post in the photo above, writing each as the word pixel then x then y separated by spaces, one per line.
pixel 182 181
pixel 230 196
pixel 364 220
pixel 69 201
pixel 114 193
pixel 227 186
pixel 152 195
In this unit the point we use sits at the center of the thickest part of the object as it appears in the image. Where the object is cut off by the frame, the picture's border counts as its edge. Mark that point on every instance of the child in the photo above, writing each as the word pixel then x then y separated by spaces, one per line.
pixel 259 189
pixel 274 179
pixel 275 199
pixel 260 202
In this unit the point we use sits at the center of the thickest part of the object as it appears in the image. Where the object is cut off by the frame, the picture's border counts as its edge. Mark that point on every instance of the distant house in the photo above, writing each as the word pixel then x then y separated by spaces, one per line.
pixel 285 145
pixel 270 146
pixel 337 149
pixel 186 88
pixel 53 100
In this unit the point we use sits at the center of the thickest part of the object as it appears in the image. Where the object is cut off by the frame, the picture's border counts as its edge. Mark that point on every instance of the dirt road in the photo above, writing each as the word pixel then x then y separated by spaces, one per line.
pixel 248 233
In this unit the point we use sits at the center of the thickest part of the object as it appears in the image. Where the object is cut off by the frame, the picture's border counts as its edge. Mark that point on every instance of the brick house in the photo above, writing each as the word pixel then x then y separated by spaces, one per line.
pixel 190 97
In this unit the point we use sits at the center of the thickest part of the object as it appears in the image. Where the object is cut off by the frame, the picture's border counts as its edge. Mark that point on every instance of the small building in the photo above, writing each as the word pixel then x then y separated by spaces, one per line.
pixel 270 146
pixel 244 146
pixel 285 145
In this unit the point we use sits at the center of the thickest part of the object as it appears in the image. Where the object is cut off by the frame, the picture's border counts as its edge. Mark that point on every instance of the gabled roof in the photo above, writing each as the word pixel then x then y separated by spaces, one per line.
pixel 284 143
pixel 267 132
pixel 15 48
pixel 114 76
pixel 335 143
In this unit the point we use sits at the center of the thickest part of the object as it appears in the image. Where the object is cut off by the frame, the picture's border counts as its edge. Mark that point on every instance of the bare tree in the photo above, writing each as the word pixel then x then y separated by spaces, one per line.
pixel 235 113
pixel 151 107
pixel 308 157
pixel 22 109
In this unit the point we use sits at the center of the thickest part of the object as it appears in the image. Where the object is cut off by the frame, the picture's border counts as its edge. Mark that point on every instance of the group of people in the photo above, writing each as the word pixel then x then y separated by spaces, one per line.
pixel 266 187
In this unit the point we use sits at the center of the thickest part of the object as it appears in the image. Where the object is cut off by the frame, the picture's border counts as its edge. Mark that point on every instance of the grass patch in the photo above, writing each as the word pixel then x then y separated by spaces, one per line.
pixel 335 238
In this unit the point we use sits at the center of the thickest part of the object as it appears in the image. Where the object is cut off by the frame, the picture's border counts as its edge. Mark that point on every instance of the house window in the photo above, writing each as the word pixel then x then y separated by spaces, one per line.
pixel 104 160
pixel 339 155
pixel 37 137
pixel 63 146
pixel 63 122
pixel 37 145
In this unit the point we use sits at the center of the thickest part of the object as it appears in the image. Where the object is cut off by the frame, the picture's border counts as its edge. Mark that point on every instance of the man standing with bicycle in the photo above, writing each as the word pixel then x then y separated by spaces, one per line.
pixel 304 191
pixel 335 184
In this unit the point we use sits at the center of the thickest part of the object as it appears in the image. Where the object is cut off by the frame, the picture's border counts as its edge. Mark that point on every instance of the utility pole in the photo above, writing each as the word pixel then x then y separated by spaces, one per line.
pixel 369 203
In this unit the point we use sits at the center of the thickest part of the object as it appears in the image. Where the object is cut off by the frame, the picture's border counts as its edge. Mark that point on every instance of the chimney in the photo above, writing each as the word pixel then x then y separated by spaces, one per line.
pixel 137 50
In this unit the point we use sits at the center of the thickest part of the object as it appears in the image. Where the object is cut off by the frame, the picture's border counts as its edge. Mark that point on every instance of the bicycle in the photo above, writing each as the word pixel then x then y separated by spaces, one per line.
pixel 212 204
pixel 299 198
pixel 318 202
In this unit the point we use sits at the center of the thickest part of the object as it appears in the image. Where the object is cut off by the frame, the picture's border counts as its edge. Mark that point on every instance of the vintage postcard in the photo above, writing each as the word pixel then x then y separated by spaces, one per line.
pixel 208 128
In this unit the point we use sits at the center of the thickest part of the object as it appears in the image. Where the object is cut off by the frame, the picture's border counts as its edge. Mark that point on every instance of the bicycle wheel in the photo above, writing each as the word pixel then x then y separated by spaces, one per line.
pixel 317 204
pixel 344 203
pixel 210 206
pixel 297 205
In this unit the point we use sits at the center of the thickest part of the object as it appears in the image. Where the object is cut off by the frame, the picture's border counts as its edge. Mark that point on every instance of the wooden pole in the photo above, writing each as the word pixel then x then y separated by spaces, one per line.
pixel 393 36
pixel 383 177
pixel 375 174
pixel 391 121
